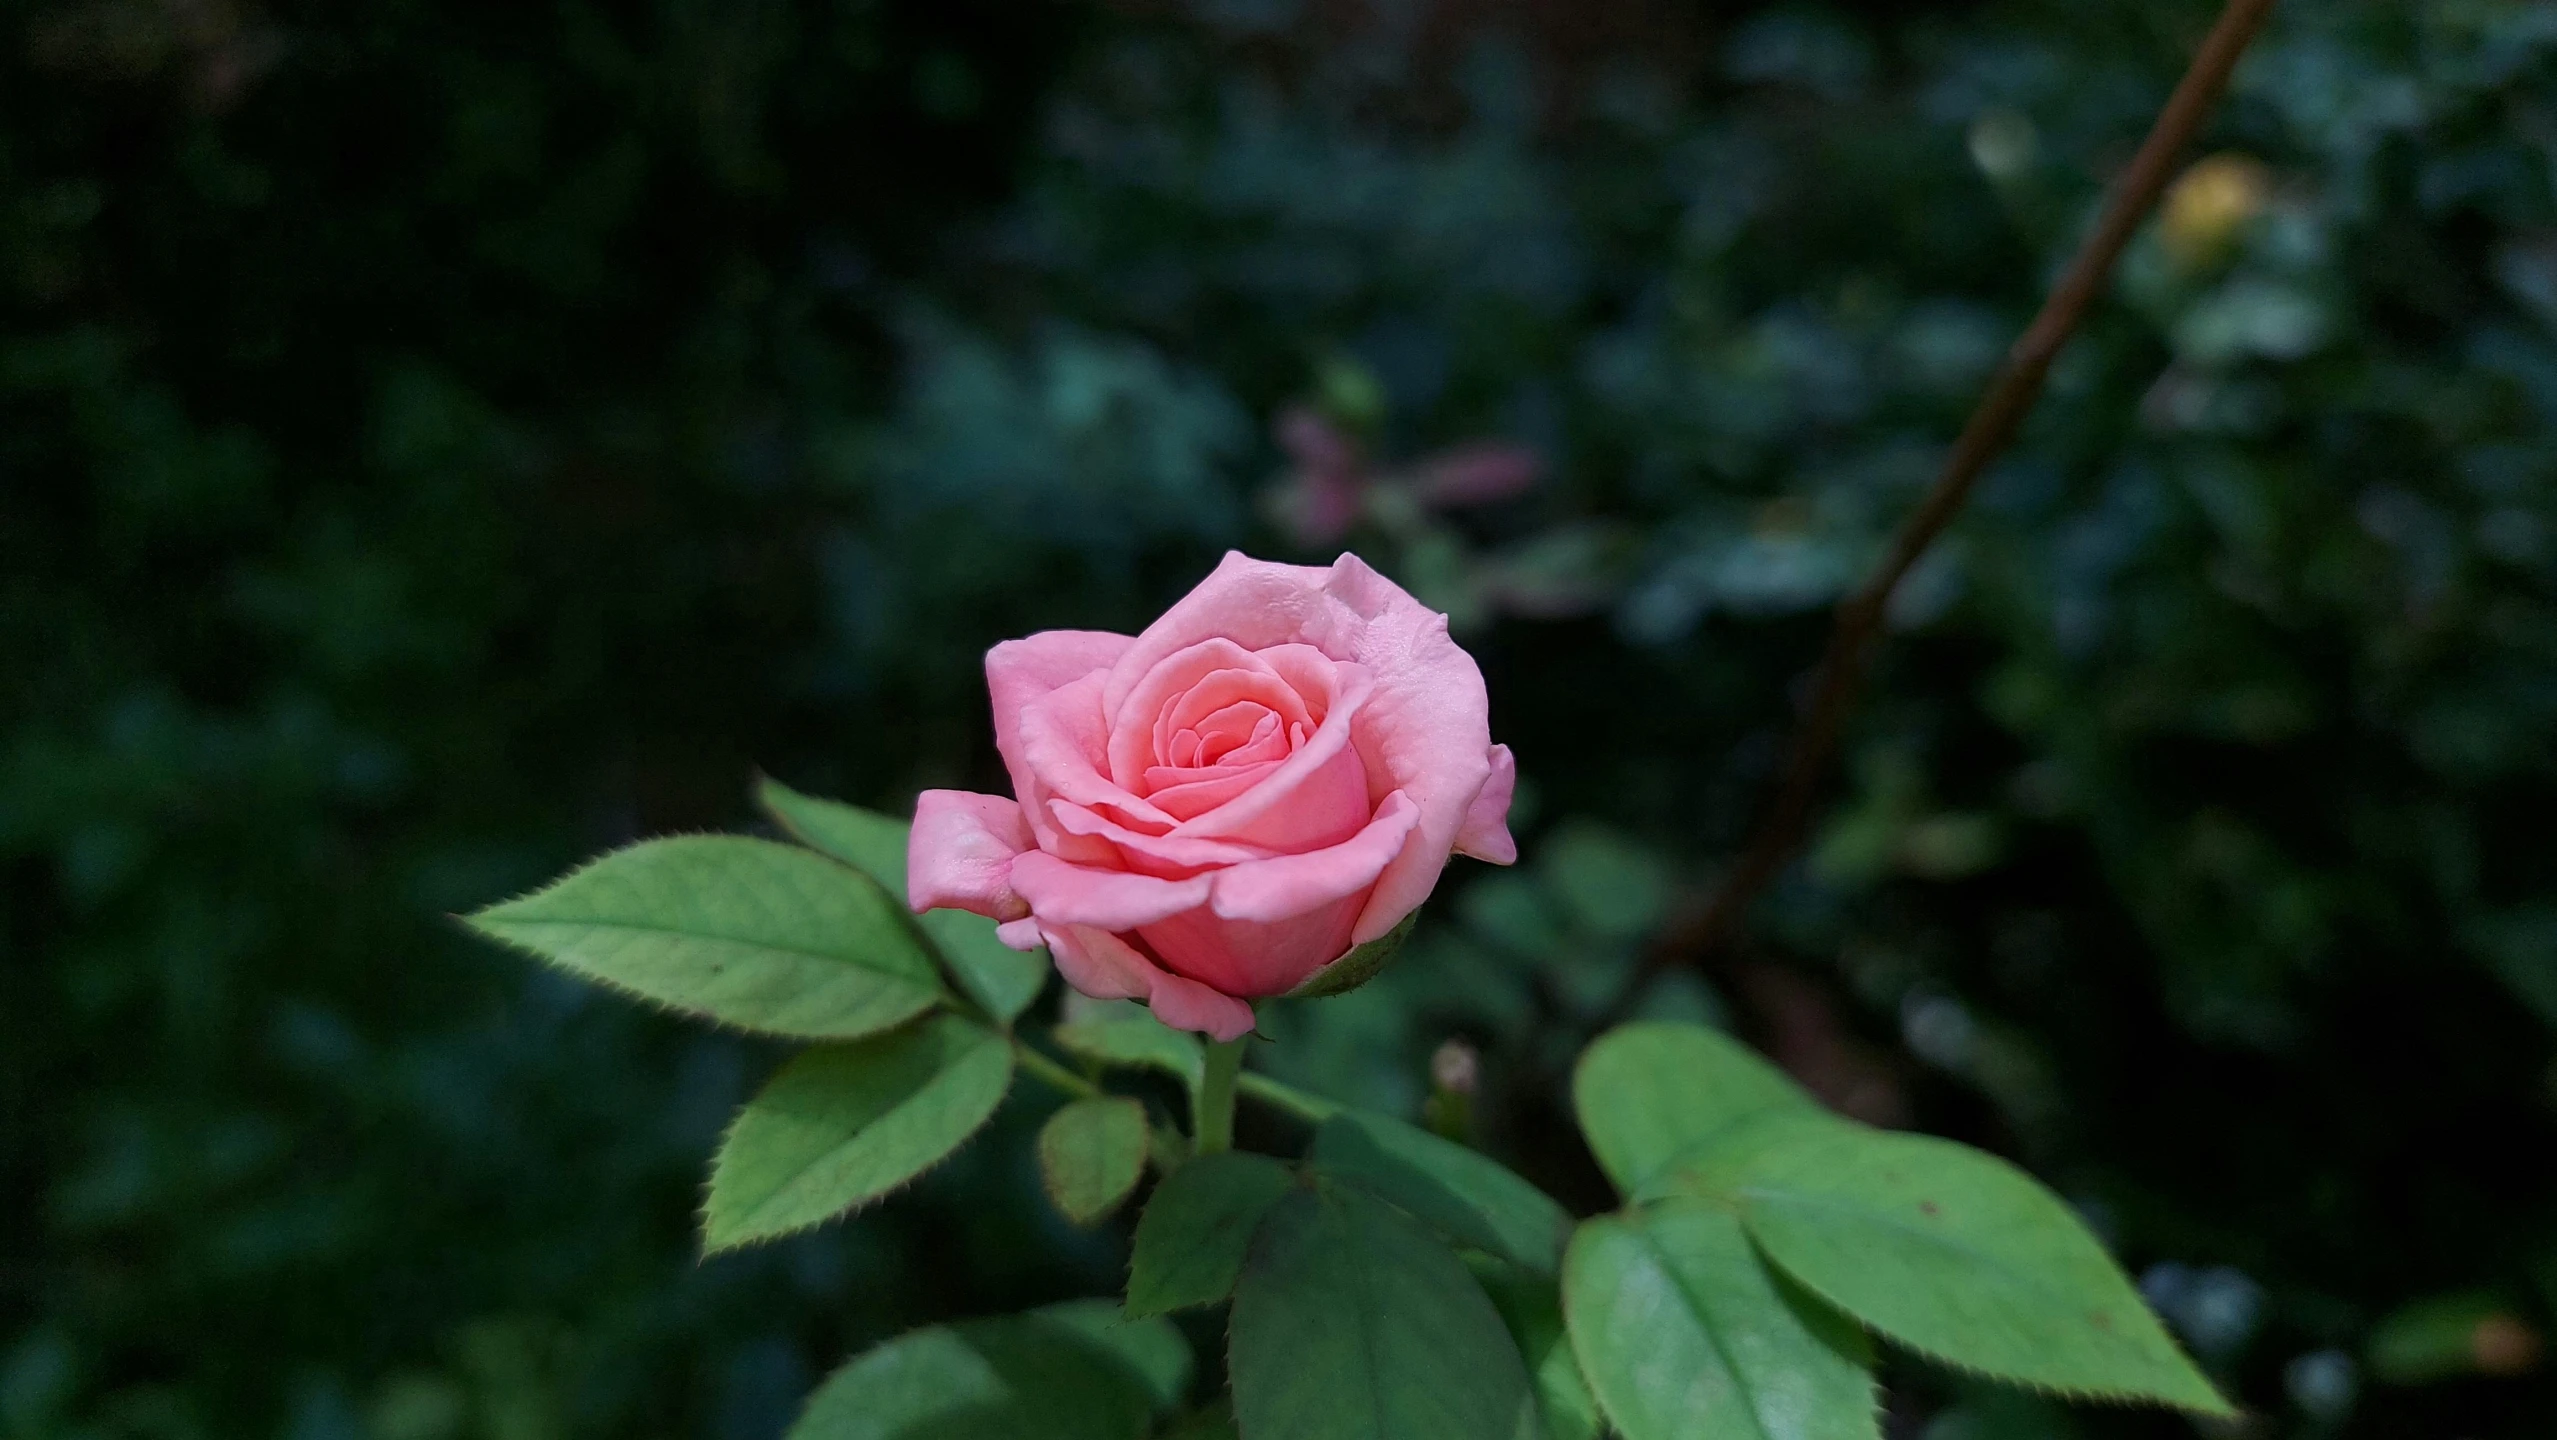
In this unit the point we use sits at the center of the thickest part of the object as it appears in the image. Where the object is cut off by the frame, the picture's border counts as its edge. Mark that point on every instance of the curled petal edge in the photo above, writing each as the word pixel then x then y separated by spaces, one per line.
pixel 960 853
pixel 1106 967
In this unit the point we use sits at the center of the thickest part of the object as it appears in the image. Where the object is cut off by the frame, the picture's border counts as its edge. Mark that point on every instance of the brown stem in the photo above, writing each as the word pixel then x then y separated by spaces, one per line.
pixel 1993 423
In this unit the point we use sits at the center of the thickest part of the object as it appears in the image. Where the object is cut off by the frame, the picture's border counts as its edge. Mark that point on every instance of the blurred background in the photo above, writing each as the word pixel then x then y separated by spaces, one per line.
pixel 439 441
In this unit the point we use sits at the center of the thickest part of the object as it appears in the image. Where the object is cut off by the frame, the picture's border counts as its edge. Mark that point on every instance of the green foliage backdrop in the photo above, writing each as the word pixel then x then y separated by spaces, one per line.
pixel 438 442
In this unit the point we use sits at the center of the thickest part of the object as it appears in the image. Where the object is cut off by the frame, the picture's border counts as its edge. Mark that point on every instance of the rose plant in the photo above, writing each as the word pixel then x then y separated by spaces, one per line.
pixel 1249 802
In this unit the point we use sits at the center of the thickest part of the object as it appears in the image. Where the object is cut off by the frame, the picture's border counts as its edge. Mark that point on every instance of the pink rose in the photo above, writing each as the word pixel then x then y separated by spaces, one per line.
pixel 1273 773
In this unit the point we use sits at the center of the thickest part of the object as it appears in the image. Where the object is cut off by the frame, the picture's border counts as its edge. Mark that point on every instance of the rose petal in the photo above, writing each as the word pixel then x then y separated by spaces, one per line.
pixel 1173 857
pixel 1426 730
pixel 1099 963
pixel 1061 742
pixel 1253 957
pixel 959 854
pixel 1287 886
pixel 1065 894
pixel 1207 789
pixel 1106 967
pixel 1317 796
pixel 1020 671
pixel 1143 716
pixel 1022 934
pixel 1485 835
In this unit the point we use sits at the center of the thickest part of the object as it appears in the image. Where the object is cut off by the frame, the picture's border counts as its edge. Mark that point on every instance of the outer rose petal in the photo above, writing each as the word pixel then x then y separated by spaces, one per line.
pixel 1059 743
pixel 961 851
pixel 1020 671
pixel 1485 835
pixel 1173 857
pixel 1064 894
pixel 1269 891
pixel 1250 957
pixel 1106 967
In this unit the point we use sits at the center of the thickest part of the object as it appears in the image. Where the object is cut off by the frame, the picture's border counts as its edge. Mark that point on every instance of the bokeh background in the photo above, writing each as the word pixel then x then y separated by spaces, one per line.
pixel 440 439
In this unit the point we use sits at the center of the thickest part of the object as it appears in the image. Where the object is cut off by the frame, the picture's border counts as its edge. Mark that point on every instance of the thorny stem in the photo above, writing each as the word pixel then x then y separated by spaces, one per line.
pixel 1993 423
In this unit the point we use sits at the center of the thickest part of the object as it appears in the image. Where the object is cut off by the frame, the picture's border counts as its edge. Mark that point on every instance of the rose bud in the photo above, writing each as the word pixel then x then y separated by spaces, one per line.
pixel 1274 773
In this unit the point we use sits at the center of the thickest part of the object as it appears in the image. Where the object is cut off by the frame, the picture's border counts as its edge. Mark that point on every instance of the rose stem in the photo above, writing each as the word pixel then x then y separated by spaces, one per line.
pixel 1034 1063
pixel 1215 1118
pixel 1313 1109
pixel 2011 393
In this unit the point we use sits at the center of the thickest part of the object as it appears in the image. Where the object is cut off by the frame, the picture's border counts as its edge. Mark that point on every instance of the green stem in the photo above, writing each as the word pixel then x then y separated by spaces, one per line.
pixel 1034 1063
pixel 1313 1109
pixel 1214 1121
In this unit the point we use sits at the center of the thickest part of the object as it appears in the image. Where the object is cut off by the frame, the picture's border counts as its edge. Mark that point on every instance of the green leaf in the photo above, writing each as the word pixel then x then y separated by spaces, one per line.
pixel 866 840
pixel 1152 1350
pixel 1067 1372
pixel 756 934
pixel 1191 1240
pixel 1961 1256
pixel 845 1124
pixel 1683 1331
pixel 1471 1198
pixel 1531 1308
pixel 1649 1091
pixel 995 975
pixel 1351 1322
pixel 1213 1423
pixel 1358 966
pixel 1091 1154
pixel 1134 1039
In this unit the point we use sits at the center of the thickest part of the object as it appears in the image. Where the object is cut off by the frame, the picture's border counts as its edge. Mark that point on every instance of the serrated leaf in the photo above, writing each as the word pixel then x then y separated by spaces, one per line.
pixel 1713 1168
pixel 1648 1091
pixel 755 934
pixel 1004 980
pixel 1359 966
pixel 1152 1350
pixel 1471 1198
pixel 1136 1040
pixel 1091 1154
pixel 1961 1256
pixel 995 975
pixel 1351 1322
pixel 866 840
pixel 1682 1331
pixel 842 1125
pixel 1067 1372
pixel 1197 1227
pixel 1530 1305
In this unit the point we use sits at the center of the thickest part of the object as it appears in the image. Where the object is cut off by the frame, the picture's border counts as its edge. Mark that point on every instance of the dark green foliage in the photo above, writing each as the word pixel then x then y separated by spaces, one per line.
pixel 1471 1200
pixel 1197 1228
pixel 440 442
pixel 1352 1323
pixel 1072 1372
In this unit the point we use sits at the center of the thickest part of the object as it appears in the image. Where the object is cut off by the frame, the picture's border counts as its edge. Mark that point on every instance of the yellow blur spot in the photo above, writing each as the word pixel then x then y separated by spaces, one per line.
pixel 2209 205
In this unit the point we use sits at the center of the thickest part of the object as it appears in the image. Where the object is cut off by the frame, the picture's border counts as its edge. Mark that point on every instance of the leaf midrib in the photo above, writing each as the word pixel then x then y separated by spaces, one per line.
pixel 1704 1322
pixel 1367 1326
pixel 939 1076
pixel 1966 1252
pixel 630 927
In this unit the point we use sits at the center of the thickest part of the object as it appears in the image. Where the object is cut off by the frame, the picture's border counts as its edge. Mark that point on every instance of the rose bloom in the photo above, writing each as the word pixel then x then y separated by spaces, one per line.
pixel 1273 773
